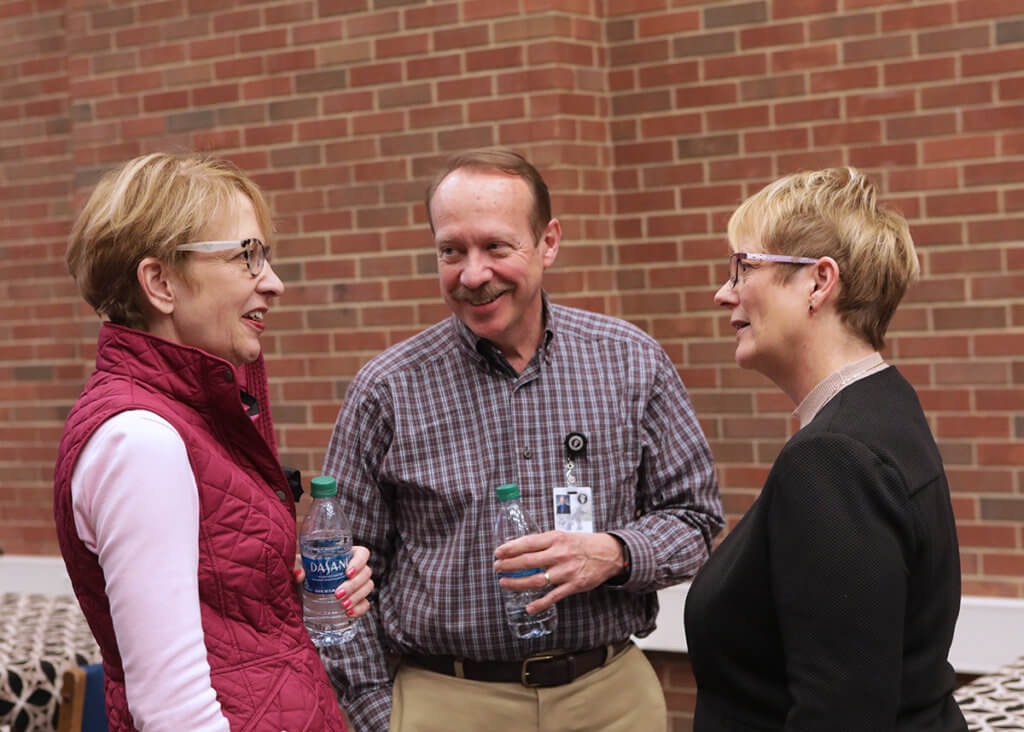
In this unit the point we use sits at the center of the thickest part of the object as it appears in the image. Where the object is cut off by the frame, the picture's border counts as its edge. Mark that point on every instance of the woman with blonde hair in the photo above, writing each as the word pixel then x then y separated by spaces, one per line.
pixel 175 519
pixel 831 604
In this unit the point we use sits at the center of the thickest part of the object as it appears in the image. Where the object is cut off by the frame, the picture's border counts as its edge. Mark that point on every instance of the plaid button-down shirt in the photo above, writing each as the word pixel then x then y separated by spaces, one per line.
pixel 433 425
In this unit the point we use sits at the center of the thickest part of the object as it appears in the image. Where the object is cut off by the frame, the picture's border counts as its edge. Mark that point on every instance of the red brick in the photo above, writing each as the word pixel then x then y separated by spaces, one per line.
pixel 735 14
pixel 921 16
pixel 141 37
pixel 157 11
pixel 408 45
pixel 1011 88
pixel 742 65
pixel 740 169
pixel 804 111
pixel 923 179
pixel 959 148
pixel 874 49
pixel 807 57
pixel 995 230
pixel 957 94
pixel 795 137
pixel 771 87
pixel 772 35
pixel 706 95
pixel 738 117
pixel 931 346
pixel 955 39
pixel 290 61
pixel 837 26
pixel 164 101
pixel 847 133
pixel 673 124
pixel 993 118
pixel 662 23
pixel 962 203
pixel 239 67
pixel 462 37
pixel 902 128
pixel 669 74
pixel 434 15
pixel 977 9
pixel 535 80
pixel 844 78
pixel 494 58
pixel 882 102
pixel 633 7
pixel 238 20
pixel 993 62
pixel 915 72
pixel 972 426
pixel 992 173
pixel 320 32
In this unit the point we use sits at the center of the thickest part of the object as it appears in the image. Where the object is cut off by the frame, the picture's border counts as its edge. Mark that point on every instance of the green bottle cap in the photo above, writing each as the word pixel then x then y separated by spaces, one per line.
pixel 323 486
pixel 507 492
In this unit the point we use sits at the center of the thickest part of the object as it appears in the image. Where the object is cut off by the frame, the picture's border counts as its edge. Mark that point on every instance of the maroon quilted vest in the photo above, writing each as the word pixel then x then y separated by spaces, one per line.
pixel 264 669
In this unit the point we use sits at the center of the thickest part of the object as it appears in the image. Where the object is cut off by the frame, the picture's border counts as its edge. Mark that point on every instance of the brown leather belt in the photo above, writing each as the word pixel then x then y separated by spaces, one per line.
pixel 550 668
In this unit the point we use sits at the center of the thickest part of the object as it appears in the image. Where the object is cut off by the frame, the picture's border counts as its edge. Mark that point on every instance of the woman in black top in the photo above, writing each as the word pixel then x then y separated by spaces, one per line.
pixel 831 605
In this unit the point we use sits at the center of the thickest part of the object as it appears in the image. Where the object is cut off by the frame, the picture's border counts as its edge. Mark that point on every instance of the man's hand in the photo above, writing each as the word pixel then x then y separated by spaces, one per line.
pixel 572 562
pixel 353 592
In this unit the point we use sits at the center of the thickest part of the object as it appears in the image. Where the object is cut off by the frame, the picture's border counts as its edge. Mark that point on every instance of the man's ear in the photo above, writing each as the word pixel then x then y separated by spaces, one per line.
pixel 551 238
pixel 158 286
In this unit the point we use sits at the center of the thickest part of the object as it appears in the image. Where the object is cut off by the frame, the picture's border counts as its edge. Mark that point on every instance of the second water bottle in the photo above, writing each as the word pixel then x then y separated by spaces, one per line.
pixel 513 523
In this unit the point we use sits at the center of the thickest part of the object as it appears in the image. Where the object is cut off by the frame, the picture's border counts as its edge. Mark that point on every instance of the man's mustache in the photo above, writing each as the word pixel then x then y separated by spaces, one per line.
pixel 481 295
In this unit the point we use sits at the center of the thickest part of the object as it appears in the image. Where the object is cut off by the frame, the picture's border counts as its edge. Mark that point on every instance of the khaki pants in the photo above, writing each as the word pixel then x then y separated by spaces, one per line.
pixel 623 696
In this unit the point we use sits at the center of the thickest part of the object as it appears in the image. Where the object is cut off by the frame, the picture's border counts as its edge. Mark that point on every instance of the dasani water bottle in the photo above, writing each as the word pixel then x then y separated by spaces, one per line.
pixel 326 544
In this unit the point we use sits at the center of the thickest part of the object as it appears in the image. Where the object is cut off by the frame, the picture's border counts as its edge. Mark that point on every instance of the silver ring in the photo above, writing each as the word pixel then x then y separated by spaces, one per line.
pixel 547 579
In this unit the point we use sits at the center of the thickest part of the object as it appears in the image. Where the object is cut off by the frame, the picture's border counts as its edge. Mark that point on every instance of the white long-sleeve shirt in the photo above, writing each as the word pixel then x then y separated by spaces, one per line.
pixel 136 506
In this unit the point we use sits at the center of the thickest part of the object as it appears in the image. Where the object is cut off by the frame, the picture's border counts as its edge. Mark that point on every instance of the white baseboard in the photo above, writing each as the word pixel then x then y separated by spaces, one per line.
pixel 34 575
pixel 989 633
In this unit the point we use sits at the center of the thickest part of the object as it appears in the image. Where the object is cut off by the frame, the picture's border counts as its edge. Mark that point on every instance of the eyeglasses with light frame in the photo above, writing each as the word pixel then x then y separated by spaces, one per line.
pixel 256 253
pixel 736 257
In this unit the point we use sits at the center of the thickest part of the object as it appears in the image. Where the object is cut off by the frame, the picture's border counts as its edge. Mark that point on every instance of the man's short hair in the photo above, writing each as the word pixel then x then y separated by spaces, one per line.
pixel 505 161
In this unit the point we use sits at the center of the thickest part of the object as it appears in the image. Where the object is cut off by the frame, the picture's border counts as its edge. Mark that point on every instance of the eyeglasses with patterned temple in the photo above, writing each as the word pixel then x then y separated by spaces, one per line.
pixel 736 257
pixel 256 253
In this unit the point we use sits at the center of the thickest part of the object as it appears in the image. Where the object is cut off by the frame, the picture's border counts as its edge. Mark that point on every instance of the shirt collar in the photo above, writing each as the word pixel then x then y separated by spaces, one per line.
pixel 486 352
pixel 834 383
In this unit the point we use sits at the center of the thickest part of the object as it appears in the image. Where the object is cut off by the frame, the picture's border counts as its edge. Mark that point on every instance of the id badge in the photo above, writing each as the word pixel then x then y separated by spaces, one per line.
pixel 574 509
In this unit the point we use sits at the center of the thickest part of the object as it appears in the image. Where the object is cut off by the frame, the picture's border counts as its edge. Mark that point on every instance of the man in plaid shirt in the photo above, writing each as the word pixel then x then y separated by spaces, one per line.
pixel 492 395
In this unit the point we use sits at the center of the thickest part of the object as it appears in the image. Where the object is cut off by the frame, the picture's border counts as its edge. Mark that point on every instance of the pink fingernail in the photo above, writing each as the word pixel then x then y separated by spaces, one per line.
pixel 351 612
pixel 339 593
pixel 347 604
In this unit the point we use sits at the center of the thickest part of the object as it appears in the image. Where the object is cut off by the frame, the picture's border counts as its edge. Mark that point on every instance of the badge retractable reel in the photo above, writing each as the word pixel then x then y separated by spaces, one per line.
pixel 573 507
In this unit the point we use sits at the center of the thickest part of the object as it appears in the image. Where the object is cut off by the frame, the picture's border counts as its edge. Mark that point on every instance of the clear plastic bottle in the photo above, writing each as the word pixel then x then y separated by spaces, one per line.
pixel 513 523
pixel 326 544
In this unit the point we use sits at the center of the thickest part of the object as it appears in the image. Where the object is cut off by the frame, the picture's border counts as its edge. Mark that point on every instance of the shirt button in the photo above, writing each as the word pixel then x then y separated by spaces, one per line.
pixel 527 453
pixel 282 496
pixel 227 376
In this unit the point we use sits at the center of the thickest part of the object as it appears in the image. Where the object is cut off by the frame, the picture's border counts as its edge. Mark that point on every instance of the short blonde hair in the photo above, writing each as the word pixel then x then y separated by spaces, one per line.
pixel 146 208
pixel 835 213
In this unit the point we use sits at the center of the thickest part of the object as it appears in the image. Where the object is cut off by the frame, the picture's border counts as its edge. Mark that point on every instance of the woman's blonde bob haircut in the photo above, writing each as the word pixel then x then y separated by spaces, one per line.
pixel 146 208
pixel 835 213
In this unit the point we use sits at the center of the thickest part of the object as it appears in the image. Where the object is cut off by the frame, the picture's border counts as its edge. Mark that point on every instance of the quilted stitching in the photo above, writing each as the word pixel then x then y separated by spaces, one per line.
pixel 265 671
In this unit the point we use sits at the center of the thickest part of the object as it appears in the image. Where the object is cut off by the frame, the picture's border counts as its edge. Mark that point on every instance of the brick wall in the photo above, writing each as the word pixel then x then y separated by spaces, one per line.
pixel 651 119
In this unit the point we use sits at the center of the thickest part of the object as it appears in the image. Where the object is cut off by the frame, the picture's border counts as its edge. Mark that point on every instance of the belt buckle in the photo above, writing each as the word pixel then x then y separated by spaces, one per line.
pixel 525 671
